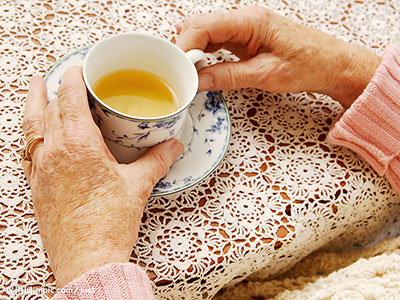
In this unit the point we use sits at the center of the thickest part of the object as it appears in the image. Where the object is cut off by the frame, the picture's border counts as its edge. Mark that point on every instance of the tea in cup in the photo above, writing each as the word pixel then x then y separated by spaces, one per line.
pixel 140 88
pixel 137 93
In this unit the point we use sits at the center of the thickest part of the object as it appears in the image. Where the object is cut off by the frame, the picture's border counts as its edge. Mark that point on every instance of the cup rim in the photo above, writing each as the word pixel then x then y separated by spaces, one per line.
pixel 126 116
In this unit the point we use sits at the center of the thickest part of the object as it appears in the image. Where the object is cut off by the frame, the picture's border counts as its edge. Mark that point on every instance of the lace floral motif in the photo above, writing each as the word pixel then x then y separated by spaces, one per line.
pixel 280 193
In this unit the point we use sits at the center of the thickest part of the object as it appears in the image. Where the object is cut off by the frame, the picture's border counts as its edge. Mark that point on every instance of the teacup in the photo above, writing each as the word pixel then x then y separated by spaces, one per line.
pixel 128 137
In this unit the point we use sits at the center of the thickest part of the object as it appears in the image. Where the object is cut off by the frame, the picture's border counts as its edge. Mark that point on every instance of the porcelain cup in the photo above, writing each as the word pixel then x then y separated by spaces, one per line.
pixel 129 137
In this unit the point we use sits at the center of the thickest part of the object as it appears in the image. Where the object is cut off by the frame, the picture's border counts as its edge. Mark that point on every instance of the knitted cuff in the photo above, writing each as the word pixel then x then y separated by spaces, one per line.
pixel 112 281
pixel 371 126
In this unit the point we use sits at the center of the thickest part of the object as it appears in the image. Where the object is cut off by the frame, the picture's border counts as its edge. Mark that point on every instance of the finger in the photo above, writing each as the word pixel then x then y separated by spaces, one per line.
pixel 179 26
pixel 238 27
pixel 97 135
pixel 36 103
pixel 157 161
pixel 74 108
pixel 32 124
pixel 51 128
pixel 53 121
pixel 200 30
pixel 27 166
pixel 254 72
pixel 72 96
pixel 54 129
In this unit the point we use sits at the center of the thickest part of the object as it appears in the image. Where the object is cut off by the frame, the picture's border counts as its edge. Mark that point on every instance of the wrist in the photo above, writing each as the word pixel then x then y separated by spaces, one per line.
pixel 352 69
pixel 71 267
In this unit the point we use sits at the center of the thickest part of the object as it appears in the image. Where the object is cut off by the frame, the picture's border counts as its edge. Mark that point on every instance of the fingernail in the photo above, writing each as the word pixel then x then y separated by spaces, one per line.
pixel 206 82
pixel 177 148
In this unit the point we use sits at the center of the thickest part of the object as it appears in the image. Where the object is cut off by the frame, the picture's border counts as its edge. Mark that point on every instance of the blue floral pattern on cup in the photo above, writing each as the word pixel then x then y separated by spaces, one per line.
pixel 138 134
pixel 210 127
pixel 206 132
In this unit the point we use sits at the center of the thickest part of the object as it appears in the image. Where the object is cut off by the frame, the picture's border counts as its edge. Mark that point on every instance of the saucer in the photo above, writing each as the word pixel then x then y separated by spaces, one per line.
pixel 206 133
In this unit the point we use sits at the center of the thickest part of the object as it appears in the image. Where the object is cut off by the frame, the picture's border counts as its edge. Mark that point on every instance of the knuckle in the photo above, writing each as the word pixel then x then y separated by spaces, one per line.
pixel 258 16
pixel 231 80
pixel 68 143
pixel 65 92
pixel 65 88
pixel 266 76
pixel 50 109
pixel 258 77
pixel 30 125
pixel 144 188
pixel 74 142
pixel 162 165
pixel 47 160
pixel 79 148
pixel 259 10
pixel 53 155
pixel 157 169
pixel 70 112
pixel 192 20
pixel 254 11
pixel 199 21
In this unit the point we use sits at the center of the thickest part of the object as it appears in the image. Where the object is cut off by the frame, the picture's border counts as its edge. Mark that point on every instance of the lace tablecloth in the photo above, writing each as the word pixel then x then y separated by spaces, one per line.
pixel 280 193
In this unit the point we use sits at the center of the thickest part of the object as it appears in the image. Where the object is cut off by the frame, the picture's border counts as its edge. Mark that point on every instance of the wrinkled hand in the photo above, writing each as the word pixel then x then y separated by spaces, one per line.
pixel 87 205
pixel 277 55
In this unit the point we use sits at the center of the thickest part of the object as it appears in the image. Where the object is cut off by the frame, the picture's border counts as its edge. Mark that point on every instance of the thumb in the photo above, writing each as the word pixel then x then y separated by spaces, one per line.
pixel 235 75
pixel 157 161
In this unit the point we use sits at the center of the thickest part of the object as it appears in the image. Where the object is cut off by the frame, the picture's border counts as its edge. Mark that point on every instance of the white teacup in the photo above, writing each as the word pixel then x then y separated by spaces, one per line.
pixel 129 137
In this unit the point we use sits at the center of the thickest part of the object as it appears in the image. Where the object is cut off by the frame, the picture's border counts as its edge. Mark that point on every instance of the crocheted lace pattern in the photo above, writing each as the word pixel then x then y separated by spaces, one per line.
pixel 280 193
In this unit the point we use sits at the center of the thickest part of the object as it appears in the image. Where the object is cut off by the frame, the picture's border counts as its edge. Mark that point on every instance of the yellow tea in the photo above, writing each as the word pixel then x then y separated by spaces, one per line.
pixel 136 93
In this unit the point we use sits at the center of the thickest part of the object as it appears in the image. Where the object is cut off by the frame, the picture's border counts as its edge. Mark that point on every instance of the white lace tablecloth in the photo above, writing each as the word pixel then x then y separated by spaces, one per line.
pixel 280 193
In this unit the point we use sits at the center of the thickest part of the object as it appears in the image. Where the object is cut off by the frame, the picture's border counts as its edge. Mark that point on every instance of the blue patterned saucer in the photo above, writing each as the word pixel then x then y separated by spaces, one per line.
pixel 206 134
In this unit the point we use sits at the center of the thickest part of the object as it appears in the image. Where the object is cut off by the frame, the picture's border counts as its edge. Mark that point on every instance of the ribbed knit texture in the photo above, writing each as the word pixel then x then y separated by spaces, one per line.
pixel 119 281
pixel 371 126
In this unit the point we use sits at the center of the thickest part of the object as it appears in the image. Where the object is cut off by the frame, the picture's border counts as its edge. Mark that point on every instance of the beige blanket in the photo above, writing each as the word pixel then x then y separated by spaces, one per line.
pixel 371 273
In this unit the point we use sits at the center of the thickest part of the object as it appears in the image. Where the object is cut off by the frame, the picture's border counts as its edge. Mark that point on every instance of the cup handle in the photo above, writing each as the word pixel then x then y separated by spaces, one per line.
pixel 198 58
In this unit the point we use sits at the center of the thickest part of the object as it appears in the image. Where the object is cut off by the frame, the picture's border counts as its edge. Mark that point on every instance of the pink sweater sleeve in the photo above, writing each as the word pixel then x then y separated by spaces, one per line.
pixel 371 126
pixel 118 281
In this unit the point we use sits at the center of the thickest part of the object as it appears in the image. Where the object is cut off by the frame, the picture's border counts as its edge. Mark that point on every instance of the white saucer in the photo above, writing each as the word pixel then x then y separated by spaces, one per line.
pixel 206 133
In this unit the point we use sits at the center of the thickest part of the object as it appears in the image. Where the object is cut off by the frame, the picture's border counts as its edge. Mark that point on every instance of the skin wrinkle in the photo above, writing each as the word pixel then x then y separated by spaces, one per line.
pixel 208 36
pixel 85 229
pixel 88 207
pixel 69 112
pixel 307 60
pixel 160 168
pixel 358 66
pixel 260 74
pixel 244 36
pixel 253 44
pixel 31 125
pixel 231 78
pixel 52 114
pixel 275 75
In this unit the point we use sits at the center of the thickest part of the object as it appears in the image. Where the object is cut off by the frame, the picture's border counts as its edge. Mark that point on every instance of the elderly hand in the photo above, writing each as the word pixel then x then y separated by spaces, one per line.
pixel 277 55
pixel 87 205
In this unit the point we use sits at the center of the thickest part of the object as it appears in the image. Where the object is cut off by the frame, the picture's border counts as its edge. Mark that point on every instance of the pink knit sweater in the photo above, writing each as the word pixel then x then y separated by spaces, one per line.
pixel 370 127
